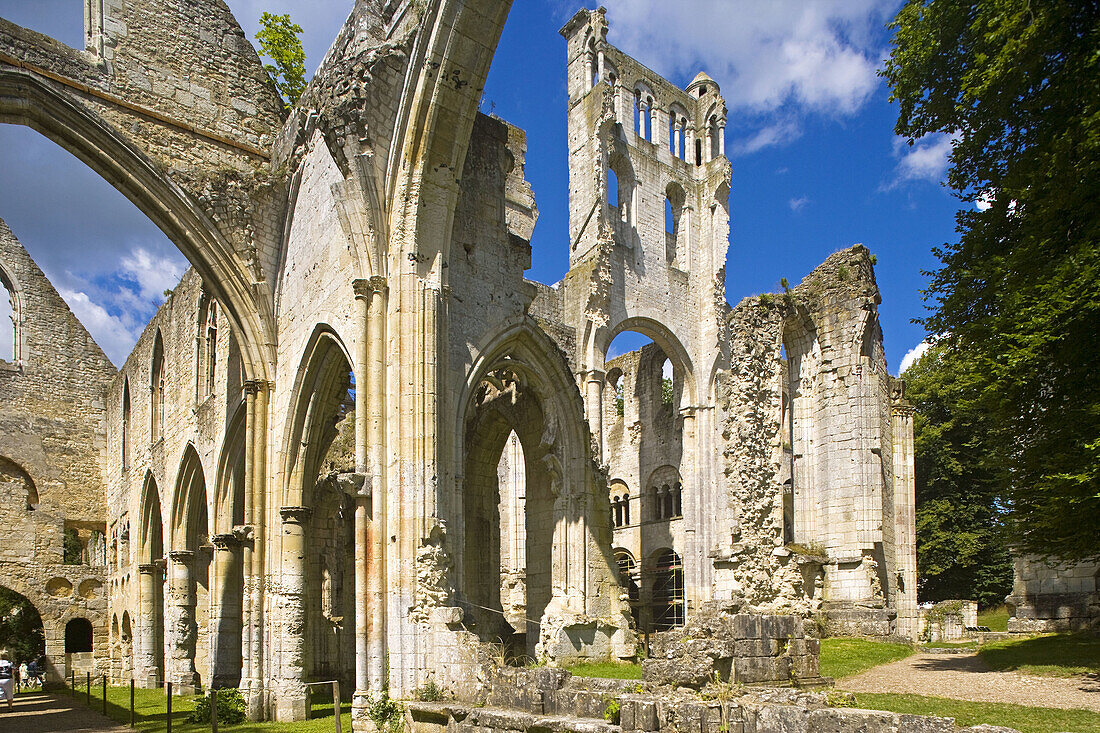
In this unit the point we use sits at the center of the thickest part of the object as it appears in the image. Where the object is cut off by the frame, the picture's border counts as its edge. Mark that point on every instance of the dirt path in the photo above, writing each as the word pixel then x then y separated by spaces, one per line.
pixel 966 677
pixel 36 712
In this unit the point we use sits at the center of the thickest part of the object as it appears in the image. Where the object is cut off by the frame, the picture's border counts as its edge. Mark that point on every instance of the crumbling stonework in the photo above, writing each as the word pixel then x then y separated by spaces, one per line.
pixel 52 432
pixel 354 423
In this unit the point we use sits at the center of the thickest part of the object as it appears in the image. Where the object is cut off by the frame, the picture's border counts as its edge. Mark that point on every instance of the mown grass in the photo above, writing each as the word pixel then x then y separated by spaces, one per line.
pixel 151 713
pixel 966 713
pixel 843 657
pixel 995 618
pixel 608 670
pixel 1053 655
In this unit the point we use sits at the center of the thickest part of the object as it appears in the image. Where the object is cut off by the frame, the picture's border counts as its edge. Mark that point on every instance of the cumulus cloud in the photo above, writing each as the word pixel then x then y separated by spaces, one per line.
pixel 778 132
pixel 818 56
pixel 152 274
pixel 912 355
pixel 109 331
pixel 926 160
pixel 797 204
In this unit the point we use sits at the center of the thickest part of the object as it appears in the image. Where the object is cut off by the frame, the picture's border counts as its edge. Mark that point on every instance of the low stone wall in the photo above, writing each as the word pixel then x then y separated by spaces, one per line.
pixel 586 705
pixel 947 620
pixel 1051 597
pixel 733 647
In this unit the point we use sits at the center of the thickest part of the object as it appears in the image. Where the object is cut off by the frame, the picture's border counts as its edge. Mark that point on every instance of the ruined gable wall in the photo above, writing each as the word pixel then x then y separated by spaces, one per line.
pixel 52 402
pixel 52 434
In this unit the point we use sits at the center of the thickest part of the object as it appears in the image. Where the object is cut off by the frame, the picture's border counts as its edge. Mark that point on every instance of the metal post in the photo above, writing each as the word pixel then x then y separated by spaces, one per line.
pixel 72 682
pixel 132 721
pixel 88 690
pixel 336 702
pixel 104 695
pixel 214 711
pixel 169 707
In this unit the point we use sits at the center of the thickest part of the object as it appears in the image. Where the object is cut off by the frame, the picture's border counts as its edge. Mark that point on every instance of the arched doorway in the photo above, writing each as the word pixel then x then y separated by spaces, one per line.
pixel 149 661
pixel 21 629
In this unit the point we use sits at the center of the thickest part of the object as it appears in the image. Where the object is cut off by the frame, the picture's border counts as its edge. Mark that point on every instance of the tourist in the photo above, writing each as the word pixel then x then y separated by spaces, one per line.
pixel 7 681
pixel 35 674
pixel 24 676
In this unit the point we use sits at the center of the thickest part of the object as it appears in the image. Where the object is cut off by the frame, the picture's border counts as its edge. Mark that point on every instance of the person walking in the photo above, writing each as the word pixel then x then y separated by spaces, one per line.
pixel 35 675
pixel 24 681
pixel 7 681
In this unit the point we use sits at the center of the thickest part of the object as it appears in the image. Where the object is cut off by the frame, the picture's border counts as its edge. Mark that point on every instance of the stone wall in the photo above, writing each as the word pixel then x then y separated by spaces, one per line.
pixel 1054 597
pixel 52 438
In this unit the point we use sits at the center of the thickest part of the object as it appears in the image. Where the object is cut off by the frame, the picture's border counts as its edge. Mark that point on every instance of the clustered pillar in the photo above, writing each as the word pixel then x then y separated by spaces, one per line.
pixel 369 529
pixel 179 615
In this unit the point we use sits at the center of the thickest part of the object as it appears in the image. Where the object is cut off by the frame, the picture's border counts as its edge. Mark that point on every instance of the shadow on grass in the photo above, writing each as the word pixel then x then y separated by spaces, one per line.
pixel 1054 654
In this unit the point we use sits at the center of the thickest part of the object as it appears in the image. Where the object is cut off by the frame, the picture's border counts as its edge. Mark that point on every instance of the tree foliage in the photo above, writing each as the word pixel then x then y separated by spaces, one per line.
pixel 961 551
pixel 279 41
pixel 1016 83
pixel 21 630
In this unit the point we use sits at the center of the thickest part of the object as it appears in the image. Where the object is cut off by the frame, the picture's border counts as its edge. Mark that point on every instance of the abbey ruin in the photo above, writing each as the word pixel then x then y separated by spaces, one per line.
pixel 356 443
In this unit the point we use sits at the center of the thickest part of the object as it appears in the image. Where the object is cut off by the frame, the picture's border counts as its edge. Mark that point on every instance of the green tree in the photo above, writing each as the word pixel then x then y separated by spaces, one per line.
pixel 961 551
pixel 1016 83
pixel 279 41
pixel 21 630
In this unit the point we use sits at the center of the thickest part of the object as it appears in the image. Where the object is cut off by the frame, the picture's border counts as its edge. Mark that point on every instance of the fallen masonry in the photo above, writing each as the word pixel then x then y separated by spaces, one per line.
pixel 553 701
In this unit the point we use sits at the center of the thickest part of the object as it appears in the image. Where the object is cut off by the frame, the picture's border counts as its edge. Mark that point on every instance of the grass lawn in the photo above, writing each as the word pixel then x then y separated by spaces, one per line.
pixel 1056 655
pixel 611 670
pixel 152 715
pixel 995 618
pixel 843 657
pixel 965 713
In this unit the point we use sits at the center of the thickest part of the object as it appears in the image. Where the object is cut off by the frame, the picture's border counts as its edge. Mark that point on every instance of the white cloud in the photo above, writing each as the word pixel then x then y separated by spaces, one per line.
pixel 926 160
pixel 797 204
pixel 779 132
pixel 112 335
pixel 152 274
pixel 912 355
pixel 819 55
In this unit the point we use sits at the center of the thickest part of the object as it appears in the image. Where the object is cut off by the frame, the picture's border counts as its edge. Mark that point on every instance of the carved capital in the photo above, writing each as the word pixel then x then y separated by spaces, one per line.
pixel 365 287
pixel 225 541
pixel 595 375
pixel 148 568
pixel 295 514
pixel 244 532
pixel 183 557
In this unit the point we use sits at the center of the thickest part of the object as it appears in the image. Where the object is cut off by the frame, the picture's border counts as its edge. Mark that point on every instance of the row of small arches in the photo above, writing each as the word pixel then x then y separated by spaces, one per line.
pixel 665 501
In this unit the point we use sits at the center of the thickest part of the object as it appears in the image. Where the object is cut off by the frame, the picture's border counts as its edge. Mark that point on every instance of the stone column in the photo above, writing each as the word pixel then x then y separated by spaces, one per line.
pixel 722 137
pixel 146 670
pixel 905 545
pixel 376 384
pixel 694 554
pixel 594 380
pixel 361 530
pixel 248 569
pixel 677 137
pixel 179 616
pixel 291 699
pixel 689 145
pixel 225 621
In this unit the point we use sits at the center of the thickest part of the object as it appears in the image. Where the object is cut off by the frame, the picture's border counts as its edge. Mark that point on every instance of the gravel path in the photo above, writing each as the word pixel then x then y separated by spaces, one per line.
pixel 966 677
pixel 36 712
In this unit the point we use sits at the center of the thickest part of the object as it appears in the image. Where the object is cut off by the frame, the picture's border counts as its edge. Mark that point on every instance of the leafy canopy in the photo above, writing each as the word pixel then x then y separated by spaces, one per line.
pixel 1016 83
pixel 960 516
pixel 279 41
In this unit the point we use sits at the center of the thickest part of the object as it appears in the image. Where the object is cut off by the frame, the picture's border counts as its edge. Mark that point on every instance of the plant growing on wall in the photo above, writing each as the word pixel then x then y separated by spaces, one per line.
pixel 279 41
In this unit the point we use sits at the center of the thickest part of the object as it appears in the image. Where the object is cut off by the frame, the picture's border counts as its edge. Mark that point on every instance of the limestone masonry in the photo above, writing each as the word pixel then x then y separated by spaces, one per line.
pixel 356 443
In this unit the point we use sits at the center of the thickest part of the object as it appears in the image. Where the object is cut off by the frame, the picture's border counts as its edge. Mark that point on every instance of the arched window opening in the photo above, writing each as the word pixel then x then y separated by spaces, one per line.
pixel 676 246
pixel 668 383
pixel 616 383
pixel 620 191
pixel 620 504
pixel 9 312
pixel 667 591
pixel 628 580
pixel 14 481
pixel 649 119
pixel 613 192
pixel 698 152
pixel 125 447
pixel 799 360
pixel 643 115
pixel 211 347
pixel 156 390
pixel 78 636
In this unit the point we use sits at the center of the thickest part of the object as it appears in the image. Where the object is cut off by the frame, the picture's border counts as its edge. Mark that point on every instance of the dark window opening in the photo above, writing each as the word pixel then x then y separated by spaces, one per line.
pixel 78 636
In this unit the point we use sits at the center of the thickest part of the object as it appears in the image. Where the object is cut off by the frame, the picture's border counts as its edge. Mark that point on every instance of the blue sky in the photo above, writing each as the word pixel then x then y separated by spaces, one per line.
pixel 816 166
